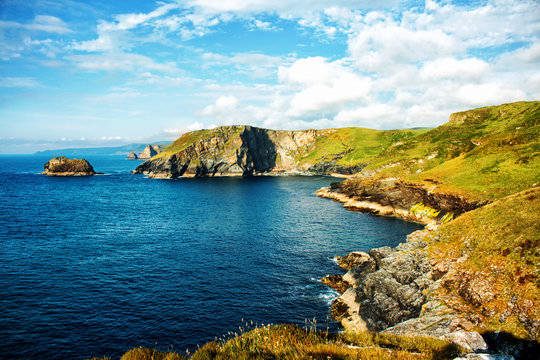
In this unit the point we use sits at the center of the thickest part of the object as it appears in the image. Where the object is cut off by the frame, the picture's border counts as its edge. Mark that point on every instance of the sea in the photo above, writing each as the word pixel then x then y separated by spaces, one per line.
pixel 95 266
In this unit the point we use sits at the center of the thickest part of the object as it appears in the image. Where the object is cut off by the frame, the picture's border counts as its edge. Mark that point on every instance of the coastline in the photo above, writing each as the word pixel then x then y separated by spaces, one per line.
pixel 404 290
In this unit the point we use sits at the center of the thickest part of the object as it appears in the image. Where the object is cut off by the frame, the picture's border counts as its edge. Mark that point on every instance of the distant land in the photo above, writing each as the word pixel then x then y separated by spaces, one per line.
pixel 102 151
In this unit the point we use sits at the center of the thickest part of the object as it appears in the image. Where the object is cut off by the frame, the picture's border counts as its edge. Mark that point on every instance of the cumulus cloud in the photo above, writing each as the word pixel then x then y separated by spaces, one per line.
pixel 223 106
pixel 488 93
pixel 447 68
pixel 324 85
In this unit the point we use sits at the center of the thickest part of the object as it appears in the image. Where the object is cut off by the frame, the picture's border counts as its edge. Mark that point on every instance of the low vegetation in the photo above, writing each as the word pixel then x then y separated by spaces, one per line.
pixel 496 251
pixel 291 342
pixel 353 146
pixel 485 153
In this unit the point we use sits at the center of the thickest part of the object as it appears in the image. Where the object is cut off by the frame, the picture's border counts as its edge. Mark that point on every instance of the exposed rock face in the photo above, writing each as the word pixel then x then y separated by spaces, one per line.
pixel 132 156
pixel 149 151
pixel 394 197
pixel 390 291
pixel 62 166
pixel 240 151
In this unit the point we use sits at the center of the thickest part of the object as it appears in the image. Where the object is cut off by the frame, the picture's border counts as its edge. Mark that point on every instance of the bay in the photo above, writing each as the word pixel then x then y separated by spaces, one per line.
pixel 94 266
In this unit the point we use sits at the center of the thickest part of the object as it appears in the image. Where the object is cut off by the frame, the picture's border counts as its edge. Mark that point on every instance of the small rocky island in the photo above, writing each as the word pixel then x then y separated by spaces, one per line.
pixel 62 166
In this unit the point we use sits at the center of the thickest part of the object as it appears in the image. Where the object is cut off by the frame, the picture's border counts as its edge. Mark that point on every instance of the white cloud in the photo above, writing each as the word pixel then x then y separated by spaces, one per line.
pixel 282 7
pixel 365 116
pixel 121 62
pixel 381 45
pixel 442 68
pixel 255 65
pixel 45 23
pixel 323 85
pixel 19 82
pixel 223 105
pixel 490 93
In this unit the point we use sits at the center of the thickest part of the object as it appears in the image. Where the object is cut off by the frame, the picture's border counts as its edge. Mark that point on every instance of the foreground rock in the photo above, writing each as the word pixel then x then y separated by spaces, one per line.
pixel 390 291
pixel 62 166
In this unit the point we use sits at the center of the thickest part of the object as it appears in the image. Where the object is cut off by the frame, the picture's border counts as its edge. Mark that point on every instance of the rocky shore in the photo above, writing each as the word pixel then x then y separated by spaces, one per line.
pixel 62 166
pixel 404 290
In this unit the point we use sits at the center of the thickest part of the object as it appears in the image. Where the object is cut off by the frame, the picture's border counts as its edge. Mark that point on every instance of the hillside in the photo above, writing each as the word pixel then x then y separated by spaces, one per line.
pixel 485 153
pixel 474 270
pixel 247 150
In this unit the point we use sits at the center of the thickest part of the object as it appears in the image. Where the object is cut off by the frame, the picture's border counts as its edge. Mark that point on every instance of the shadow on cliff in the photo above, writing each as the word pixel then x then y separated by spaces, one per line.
pixel 506 343
pixel 261 151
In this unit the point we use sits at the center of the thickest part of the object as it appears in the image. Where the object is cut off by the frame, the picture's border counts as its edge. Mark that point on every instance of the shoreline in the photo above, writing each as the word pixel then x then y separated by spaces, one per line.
pixel 391 290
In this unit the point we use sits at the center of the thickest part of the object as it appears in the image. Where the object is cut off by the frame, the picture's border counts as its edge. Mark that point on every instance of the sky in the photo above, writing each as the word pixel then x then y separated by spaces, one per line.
pixel 105 73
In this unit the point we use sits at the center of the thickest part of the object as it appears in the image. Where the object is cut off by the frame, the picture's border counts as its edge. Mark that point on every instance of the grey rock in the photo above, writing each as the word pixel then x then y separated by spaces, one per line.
pixel 469 340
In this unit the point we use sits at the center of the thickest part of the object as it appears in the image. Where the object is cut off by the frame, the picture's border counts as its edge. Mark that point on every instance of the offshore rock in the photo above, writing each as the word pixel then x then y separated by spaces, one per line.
pixel 132 156
pixel 149 151
pixel 336 282
pixel 62 166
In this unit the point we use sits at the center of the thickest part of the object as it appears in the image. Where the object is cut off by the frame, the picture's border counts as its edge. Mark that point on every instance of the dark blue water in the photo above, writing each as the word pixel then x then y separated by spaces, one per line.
pixel 94 266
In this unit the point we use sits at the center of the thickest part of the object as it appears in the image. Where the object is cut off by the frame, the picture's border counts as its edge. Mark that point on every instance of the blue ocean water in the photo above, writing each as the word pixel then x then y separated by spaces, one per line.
pixel 94 266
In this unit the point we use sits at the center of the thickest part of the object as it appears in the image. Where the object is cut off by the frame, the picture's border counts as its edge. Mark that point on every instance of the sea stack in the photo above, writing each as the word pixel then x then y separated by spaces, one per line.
pixel 148 152
pixel 132 156
pixel 62 166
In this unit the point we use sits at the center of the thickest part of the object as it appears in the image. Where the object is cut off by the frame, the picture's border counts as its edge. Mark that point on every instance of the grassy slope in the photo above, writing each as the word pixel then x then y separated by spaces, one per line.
pixel 193 137
pixel 486 153
pixel 290 342
pixel 500 244
pixel 352 146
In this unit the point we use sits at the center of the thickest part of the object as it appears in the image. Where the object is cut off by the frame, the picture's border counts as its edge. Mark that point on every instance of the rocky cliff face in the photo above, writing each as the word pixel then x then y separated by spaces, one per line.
pixel 240 151
pixel 395 197
pixel 62 166
pixel 149 151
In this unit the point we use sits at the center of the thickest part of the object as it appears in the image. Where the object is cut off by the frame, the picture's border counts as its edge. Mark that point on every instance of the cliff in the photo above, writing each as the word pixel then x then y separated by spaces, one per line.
pixel 248 150
pixel 62 166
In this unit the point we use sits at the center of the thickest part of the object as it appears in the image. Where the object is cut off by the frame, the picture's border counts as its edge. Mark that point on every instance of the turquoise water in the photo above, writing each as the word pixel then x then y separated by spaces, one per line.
pixel 94 266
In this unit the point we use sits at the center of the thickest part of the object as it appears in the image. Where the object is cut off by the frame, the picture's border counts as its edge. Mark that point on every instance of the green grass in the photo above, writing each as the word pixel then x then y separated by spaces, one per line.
pixel 194 137
pixel 485 153
pixel 352 146
pixel 499 243
pixel 291 342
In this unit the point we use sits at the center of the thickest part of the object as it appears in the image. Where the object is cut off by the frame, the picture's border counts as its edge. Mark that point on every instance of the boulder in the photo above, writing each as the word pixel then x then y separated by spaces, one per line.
pixel 356 258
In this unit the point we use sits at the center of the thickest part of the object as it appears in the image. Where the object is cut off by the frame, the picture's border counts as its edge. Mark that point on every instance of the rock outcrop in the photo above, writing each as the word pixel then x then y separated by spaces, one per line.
pixel 428 286
pixel 395 197
pixel 132 156
pixel 149 151
pixel 62 166
pixel 241 151
pixel 389 290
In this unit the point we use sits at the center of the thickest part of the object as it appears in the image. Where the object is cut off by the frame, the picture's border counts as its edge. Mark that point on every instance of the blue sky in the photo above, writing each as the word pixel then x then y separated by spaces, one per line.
pixel 103 73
